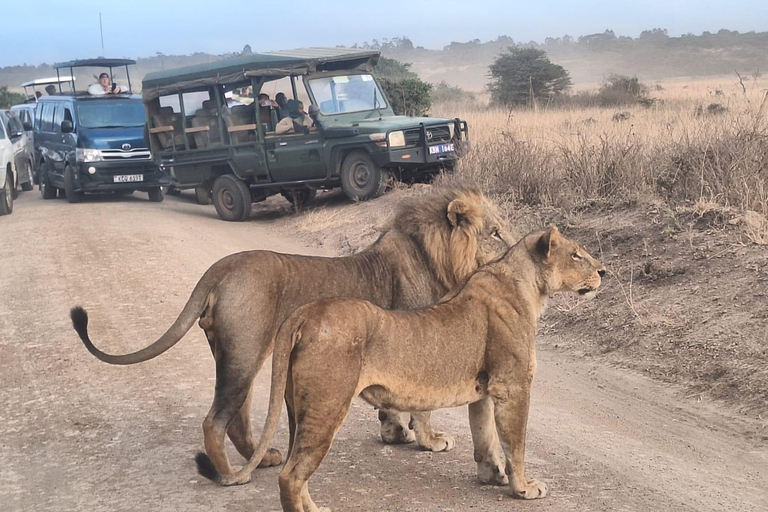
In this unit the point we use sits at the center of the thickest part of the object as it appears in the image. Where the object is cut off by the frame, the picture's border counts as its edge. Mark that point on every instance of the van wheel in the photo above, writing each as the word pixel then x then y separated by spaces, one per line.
pixel 299 198
pixel 203 194
pixel 27 185
pixel 47 190
pixel 232 198
pixel 69 186
pixel 361 178
pixel 156 195
pixel 6 197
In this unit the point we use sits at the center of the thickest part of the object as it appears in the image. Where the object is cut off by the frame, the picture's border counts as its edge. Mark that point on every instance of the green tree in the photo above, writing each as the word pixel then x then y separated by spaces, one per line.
pixel 9 98
pixel 525 74
pixel 408 94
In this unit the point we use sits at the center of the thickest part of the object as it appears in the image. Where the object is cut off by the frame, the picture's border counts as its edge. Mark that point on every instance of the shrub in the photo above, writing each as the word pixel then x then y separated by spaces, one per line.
pixel 523 75
pixel 409 96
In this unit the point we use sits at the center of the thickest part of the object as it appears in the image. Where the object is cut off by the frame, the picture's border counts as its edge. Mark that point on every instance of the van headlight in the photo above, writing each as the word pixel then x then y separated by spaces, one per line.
pixel 89 155
pixel 396 139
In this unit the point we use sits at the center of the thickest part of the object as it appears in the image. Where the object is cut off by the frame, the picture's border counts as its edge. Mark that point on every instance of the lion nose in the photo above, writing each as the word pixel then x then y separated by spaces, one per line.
pixel 601 272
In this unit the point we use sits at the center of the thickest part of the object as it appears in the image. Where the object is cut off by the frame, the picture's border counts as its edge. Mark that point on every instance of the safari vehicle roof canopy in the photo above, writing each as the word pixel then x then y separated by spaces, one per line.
pixel 99 62
pixel 244 67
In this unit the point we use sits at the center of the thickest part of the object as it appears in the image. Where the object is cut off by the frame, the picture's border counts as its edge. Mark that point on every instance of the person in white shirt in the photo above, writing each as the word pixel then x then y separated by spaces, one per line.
pixel 104 87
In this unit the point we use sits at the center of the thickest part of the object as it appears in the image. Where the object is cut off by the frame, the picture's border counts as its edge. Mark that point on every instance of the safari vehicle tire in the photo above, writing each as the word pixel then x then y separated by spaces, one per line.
pixel 6 197
pixel 69 186
pixel 27 186
pixel 203 194
pixel 361 178
pixel 47 190
pixel 232 198
pixel 156 195
pixel 300 197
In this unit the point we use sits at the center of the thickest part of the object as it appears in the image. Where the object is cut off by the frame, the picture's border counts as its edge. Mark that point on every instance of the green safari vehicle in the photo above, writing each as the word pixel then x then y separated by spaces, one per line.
pixel 208 127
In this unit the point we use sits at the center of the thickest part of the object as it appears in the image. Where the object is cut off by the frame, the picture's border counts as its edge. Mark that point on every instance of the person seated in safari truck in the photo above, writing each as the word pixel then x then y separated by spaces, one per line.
pixel 296 122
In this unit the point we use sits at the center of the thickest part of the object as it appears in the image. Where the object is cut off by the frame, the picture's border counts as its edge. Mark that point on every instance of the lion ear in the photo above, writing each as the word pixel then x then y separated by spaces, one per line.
pixel 549 239
pixel 457 212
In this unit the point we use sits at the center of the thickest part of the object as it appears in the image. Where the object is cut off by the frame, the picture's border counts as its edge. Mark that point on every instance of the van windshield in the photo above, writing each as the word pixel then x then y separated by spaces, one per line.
pixel 347 93
pixel 110 114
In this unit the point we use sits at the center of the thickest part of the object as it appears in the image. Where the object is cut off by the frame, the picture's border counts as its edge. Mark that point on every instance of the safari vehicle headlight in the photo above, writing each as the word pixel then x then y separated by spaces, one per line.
pixel 379 138
pixel 89 155
pixel 396 139
pixel 451 129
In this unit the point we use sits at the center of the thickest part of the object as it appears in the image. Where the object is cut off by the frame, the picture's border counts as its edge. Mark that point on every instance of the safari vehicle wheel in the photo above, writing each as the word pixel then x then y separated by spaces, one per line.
pixel 203 194
pixel 232 198
pixel 27 186
pixel 361 178
pixel 156 195
pixel 299 198
pixel 69 186
pixel 6 199
pixel 47 190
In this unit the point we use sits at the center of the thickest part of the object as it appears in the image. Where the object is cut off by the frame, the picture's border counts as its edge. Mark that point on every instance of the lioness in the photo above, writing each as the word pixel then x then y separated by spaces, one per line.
pixel 433 244
pixel 475 345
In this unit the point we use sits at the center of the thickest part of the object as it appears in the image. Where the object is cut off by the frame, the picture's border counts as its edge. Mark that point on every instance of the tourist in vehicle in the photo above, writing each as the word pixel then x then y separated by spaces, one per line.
pixel 282 105
pixel 38 95
pixel 50 89
pixel 104 87
pixel 267 111
pixel 297 121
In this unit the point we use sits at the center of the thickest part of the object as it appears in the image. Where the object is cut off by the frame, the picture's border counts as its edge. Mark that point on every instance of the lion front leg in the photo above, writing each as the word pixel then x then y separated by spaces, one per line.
pixel 511 415
pixel 428 438
pixel 394 427
pixel 490 462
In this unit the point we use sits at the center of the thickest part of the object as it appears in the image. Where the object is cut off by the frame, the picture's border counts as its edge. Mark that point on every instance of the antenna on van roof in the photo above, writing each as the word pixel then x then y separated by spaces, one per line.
pixel 101 31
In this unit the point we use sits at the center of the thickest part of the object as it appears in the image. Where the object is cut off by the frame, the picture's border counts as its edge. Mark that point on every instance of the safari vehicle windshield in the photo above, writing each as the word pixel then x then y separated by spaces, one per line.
pixel 111 114
pixel 347 93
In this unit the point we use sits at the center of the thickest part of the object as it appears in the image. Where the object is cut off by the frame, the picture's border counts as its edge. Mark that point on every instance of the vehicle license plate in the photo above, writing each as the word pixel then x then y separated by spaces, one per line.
pixel 441 148
pixel 128 178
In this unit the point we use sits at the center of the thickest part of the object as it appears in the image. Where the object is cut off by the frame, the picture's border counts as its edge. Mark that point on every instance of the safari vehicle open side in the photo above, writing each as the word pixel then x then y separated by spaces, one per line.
pixel 229 151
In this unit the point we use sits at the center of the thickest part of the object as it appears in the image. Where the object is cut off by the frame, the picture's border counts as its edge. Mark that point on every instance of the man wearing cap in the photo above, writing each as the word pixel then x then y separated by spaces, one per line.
pixel 104 87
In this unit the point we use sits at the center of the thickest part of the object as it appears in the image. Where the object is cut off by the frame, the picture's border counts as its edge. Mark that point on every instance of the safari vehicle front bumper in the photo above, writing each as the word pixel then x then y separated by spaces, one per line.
pixel 111 176
pixel 428 148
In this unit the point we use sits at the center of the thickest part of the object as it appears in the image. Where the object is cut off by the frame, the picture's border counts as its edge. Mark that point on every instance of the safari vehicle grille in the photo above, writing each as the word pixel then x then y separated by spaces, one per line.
pixel 122 154
pixel 434 134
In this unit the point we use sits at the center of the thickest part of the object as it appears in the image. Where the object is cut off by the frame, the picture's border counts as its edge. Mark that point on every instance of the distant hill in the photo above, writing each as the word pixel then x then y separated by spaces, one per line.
pixel 651 56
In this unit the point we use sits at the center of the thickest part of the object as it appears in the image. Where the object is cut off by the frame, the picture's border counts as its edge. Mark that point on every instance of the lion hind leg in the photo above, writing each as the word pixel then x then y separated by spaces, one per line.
pixel 427 437
pixel 241 434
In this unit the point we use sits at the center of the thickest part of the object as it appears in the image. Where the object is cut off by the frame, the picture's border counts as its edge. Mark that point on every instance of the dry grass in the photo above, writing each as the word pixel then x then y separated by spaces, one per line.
pixel 681 150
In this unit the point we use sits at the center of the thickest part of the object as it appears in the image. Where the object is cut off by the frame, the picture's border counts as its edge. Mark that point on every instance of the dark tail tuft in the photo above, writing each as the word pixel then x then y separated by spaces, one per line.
pixel 206 468
pixel 79 320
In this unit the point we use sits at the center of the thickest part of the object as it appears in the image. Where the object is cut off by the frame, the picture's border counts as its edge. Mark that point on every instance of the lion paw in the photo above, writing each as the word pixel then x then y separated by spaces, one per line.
pixel 532 490
pixel 492 473
pixel 438 442
pixel 235 478
pixel 273 457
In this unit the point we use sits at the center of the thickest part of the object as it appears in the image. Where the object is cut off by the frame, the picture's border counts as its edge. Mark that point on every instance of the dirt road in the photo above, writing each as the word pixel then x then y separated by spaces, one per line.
pixel 77 434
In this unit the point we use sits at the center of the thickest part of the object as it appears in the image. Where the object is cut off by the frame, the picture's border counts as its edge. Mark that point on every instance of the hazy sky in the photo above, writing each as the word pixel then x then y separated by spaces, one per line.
pixel 54 31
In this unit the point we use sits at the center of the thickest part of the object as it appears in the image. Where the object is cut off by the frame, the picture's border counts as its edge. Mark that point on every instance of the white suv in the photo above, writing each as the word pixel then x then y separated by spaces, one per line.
pixel 7 171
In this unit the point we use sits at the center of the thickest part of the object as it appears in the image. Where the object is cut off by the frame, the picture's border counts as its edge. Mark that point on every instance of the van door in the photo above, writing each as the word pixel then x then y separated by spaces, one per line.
pixel 295 157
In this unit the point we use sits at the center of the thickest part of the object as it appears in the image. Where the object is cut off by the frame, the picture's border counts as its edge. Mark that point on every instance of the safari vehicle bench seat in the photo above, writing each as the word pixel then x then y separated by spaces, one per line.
pixel 167 127
pixel 241 124
pixel 205 126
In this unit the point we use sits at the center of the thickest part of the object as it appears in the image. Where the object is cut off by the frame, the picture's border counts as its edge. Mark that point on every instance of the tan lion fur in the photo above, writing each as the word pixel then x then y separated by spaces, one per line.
pixel 476 345
pixel 433 243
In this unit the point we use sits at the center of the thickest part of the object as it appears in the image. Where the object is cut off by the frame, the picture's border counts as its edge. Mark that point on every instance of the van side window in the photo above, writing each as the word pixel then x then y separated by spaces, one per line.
pixel 46 117
pixel 68 115
pixel 58 117
pixel 2 131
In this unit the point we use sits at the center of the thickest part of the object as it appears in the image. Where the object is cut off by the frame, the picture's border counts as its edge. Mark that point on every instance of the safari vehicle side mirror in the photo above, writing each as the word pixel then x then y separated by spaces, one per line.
pixel 27 126
pixel 67 126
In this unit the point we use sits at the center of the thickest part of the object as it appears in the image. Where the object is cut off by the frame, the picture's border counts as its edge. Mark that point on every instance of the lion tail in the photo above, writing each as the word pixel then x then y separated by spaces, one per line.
pixel 286 338
pixel 193 309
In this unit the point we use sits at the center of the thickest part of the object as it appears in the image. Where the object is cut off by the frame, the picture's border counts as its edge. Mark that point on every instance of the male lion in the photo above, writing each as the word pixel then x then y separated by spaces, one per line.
pixel 476 344
pixel 432 245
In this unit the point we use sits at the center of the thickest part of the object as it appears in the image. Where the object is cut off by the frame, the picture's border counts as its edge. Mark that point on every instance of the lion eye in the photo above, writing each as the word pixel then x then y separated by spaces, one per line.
pixel 496 234
pixel 576 256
